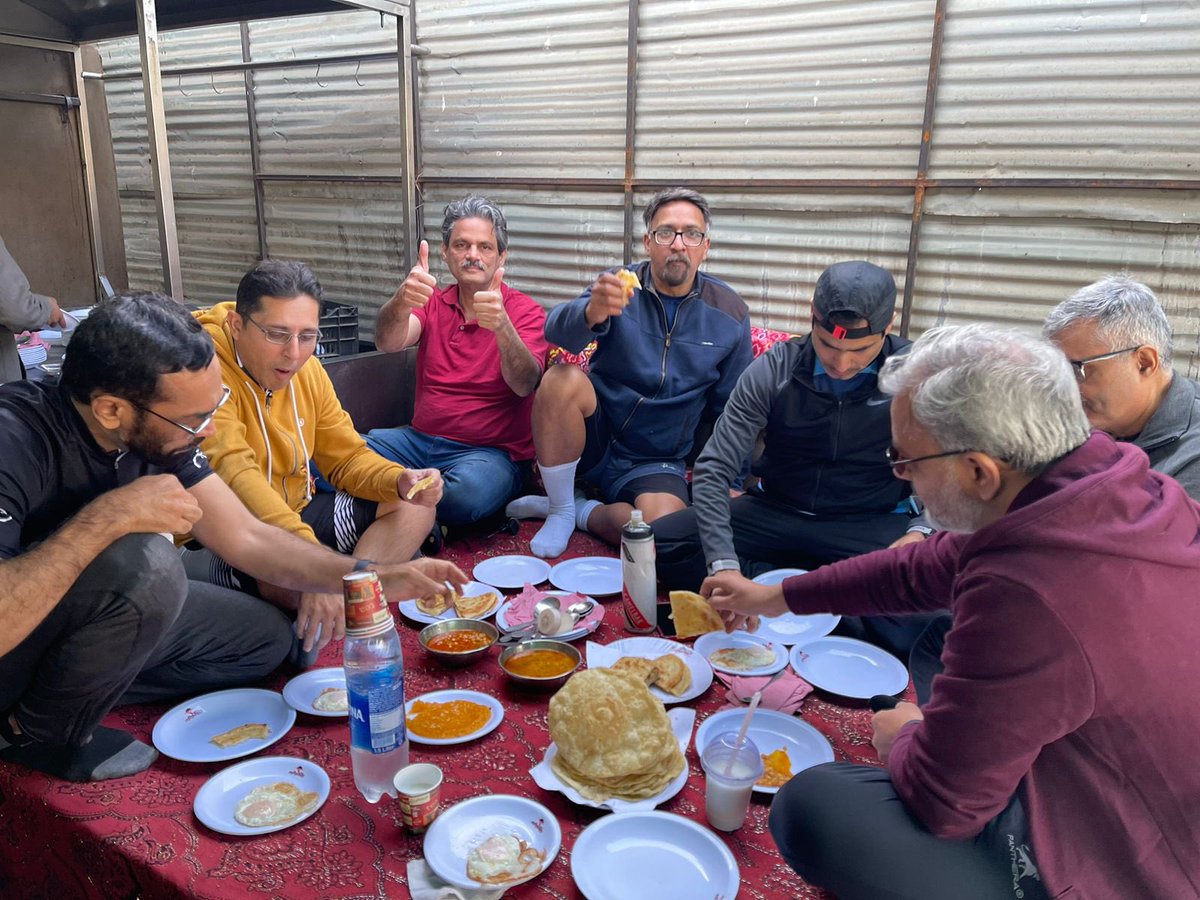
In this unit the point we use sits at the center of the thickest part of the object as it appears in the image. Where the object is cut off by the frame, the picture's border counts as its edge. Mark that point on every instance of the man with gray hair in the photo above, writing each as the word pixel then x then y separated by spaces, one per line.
pixel 1118 340
pixel 481 351
pixel 1056 753
pixel 671 342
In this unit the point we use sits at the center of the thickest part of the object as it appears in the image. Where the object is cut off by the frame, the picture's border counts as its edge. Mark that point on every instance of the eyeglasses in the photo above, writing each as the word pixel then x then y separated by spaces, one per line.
pixel 692 237
pixel 281 337
pixel 204 423
pixel 1078 364
pixel 891 453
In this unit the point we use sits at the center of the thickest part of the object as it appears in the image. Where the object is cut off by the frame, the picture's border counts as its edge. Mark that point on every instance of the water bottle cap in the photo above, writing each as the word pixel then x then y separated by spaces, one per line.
pixel 635 517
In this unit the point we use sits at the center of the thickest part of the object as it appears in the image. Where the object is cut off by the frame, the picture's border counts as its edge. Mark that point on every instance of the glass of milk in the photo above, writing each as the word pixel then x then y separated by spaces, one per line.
pixel 730 773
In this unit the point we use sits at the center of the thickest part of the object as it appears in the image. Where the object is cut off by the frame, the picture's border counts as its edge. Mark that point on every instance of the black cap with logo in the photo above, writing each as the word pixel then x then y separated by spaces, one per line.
pixel 856 290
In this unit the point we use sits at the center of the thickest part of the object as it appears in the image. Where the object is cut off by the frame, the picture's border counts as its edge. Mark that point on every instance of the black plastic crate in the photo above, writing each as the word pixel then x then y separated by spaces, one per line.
pixel 339 330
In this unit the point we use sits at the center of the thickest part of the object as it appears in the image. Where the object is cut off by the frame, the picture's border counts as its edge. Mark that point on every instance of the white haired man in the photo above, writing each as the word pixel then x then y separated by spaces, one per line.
pixel 1060 736
pixel 1118 340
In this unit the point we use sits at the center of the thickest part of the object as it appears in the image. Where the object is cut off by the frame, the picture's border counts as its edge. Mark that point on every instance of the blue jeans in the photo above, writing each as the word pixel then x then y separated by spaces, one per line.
pixel 478 480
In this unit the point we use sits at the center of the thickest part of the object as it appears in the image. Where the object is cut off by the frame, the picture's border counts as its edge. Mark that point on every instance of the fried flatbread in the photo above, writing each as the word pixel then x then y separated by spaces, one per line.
pixel 476 607
pixel 629 281
pixel 637 666
pixel 693 615
pixel 613 737
pixel 437 604
pixel 426 482
pixel 674 676
pixel 234 736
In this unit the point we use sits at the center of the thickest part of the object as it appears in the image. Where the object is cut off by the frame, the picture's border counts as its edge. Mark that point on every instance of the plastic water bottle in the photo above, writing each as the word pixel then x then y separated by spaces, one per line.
pixel 375 684
pixel 639 581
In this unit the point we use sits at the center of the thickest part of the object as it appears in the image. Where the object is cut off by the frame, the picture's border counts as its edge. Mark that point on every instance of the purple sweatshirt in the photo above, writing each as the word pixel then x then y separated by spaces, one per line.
pixel 1072 672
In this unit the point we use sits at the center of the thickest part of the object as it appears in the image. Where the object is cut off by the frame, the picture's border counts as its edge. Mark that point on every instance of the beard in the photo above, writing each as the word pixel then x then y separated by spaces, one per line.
pixel 677 271
pixel 950 510
pixel 142 443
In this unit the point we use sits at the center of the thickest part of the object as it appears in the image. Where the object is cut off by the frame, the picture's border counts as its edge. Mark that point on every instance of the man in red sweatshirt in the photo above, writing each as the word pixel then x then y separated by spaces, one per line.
pixel 1057 753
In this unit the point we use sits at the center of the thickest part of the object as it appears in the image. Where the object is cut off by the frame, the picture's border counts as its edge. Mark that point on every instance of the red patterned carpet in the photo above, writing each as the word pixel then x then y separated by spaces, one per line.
pixel 138 837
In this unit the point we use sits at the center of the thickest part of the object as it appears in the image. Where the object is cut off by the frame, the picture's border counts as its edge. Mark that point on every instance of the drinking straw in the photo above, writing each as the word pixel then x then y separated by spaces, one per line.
pixel 741 736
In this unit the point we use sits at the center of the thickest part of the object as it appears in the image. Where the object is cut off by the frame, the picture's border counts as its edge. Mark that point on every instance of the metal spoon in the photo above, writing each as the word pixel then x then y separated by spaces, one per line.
pixel 579 609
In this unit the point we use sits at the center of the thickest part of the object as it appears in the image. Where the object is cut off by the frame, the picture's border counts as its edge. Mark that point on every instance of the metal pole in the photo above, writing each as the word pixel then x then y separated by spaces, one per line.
pixel 413 224
pixel 160 159
pixel 89 172
pixel 260 217
pixel 630 124
pixel 914 234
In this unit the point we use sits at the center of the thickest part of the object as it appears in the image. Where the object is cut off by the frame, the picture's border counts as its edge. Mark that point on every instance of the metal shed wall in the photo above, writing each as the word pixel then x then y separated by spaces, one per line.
pixel 328 152
pixel 801 119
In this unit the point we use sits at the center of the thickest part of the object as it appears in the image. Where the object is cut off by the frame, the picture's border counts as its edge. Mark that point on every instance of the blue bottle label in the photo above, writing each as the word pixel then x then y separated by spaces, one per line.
pixel 377 710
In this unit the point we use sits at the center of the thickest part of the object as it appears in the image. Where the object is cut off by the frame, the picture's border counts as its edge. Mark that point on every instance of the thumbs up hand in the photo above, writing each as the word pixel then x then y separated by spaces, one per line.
pixel 489 304
pixel 419 286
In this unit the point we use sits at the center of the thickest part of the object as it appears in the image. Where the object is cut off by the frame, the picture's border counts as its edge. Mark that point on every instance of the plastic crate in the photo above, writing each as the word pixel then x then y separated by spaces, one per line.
pixel 339 330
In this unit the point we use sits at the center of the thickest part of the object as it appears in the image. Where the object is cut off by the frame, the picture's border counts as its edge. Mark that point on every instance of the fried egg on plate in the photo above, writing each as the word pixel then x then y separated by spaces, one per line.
pixel 332 699
pixel 273 804
pixel 743 658
pixel 503 858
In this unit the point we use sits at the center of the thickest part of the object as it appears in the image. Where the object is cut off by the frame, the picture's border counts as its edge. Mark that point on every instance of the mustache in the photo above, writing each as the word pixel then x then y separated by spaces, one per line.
pixel 473 265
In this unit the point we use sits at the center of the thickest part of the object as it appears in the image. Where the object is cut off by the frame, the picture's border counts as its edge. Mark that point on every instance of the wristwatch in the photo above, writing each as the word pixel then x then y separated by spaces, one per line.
pixel 922 529
pixel 721 565
pixel 362 565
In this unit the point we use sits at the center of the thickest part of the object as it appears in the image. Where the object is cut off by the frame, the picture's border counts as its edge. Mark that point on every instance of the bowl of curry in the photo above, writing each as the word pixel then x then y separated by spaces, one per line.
pixel 541 664
pixel 458 642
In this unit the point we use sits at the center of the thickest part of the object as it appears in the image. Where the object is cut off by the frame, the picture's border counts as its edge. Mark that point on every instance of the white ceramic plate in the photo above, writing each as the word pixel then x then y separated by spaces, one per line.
pixel 597 576
pixel 775 576
pixel 445 697
pixel 471 589
pixel 771 730
pixel 184 732
pixel 512 572
pixel 849 668
pixel 544 775
pixel 652 855
pixel 219 796
pixel 652 648
pixel 708 644
pixel 302 690
pixel 789 628
pixel 466 825
pixel 586 625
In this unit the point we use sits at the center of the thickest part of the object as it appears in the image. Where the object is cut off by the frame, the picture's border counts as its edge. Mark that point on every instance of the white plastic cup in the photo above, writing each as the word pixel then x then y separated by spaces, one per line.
pixel 730 773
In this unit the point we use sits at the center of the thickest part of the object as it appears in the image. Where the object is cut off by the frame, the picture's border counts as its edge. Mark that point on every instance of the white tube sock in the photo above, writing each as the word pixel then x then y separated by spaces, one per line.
pixel 531 506
pixel 559 481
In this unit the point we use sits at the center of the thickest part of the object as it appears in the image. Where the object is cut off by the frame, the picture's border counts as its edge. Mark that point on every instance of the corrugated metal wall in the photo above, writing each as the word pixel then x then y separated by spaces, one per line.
pixel 801 119
pixel 316 122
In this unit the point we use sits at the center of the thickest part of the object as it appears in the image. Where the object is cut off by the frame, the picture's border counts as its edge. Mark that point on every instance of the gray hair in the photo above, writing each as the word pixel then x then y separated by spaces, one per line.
pixel 673 195
pixel 1126 314
pixel 475 207
pixel 1001 392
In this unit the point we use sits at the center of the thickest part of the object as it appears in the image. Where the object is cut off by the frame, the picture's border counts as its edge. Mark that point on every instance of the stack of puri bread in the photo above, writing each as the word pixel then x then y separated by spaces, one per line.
pixel 613 736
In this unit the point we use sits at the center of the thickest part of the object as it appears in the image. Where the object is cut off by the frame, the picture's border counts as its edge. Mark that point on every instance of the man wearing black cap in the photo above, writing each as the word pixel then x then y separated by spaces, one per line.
pixel 824 489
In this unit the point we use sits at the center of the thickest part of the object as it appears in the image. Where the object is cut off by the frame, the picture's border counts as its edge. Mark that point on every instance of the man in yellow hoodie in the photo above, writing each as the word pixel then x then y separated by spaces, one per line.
pixel 283 414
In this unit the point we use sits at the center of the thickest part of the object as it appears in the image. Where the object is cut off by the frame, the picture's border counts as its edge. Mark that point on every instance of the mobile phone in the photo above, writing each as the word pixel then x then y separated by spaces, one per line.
pixel 666 625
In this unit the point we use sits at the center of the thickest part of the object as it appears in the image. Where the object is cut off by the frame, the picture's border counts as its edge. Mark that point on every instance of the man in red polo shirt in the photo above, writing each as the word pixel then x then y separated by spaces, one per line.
pixel 481 351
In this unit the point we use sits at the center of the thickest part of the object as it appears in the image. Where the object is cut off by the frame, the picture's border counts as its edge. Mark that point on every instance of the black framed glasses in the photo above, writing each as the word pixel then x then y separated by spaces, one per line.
pixel 692 237
pixel 892 455
pixel 282 337
pixel 204 423
pixel 1079 364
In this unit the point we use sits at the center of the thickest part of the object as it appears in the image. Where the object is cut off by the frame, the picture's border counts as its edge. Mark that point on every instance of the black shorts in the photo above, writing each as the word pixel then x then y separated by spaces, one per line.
pixel 337 519
pixel 620 479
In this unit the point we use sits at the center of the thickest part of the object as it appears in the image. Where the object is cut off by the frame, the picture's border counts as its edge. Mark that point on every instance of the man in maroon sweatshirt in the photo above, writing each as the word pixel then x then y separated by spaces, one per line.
pixel 1062 736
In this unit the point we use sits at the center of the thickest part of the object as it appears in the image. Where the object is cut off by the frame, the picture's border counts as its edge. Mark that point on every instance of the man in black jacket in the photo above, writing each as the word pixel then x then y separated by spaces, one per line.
pixel 824 490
